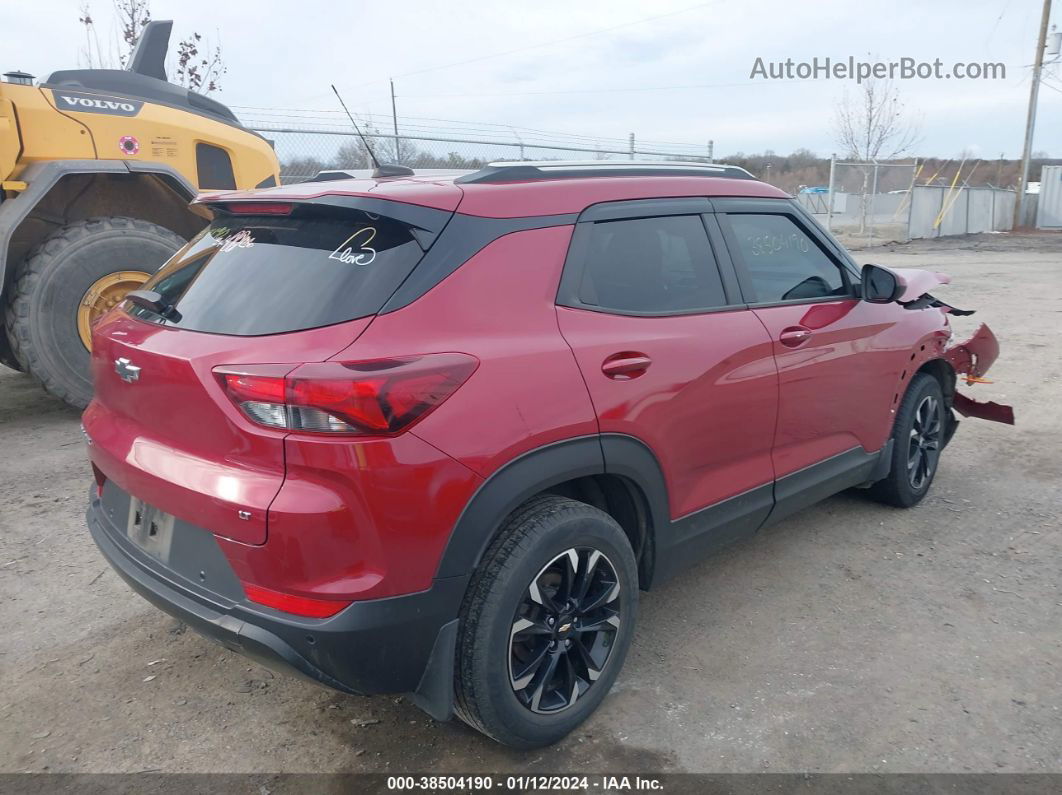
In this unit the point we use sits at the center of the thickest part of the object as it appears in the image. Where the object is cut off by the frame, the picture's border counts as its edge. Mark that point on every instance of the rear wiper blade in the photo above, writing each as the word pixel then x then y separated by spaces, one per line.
pixel 154 302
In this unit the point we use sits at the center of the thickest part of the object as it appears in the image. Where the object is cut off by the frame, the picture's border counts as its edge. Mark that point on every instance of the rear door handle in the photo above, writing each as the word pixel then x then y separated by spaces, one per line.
pixel 794 336
pixel 626 365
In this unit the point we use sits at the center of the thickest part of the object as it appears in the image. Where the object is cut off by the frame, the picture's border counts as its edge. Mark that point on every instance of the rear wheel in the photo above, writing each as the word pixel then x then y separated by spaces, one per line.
pixel 66 283
pixel 918 438
pixel 546 623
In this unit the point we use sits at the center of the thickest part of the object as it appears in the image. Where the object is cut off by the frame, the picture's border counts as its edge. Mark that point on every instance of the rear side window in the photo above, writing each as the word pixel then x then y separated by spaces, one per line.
pixel 651 265
pixel 253 275
pixel 782 261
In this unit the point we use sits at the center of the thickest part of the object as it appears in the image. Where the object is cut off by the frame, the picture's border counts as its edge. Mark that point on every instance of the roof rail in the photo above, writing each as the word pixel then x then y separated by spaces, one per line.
pixel 571 169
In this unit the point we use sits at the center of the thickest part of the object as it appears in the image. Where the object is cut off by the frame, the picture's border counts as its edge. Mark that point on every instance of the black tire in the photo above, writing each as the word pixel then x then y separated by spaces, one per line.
pixel 905 485
pixel 7 356
pixel 41 315
pixel 537 534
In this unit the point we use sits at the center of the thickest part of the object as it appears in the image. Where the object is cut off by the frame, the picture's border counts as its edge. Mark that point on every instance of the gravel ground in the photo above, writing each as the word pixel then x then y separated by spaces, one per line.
pixel 850 638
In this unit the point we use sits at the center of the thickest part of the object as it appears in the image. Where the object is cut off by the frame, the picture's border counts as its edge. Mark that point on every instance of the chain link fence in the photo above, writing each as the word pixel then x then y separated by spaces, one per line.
pixel 305 151
pixel 871 202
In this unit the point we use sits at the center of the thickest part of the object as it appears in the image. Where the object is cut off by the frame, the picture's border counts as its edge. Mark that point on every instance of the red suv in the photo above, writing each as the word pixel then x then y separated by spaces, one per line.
pixel 432 435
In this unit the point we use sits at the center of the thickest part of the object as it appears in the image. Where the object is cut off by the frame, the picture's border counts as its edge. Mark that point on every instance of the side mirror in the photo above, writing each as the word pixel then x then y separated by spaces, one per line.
pixel 880 285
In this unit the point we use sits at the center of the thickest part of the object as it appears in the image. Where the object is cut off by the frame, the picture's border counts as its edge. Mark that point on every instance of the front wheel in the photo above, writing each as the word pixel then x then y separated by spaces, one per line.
pixel 546 623
pixel 918 438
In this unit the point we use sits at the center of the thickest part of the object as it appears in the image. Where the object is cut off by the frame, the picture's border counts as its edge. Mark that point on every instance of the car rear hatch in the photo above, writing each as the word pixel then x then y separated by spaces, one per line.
pixel 274 285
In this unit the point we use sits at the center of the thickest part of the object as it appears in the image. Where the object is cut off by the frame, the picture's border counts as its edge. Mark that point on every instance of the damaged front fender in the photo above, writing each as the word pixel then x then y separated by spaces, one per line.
pixel 914 283
pixel 976 355
pixel 972 359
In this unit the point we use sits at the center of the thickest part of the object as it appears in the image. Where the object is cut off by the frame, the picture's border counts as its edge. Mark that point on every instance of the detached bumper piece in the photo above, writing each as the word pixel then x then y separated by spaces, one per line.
pixel 994 412
pixel 972 359
pixel 375 646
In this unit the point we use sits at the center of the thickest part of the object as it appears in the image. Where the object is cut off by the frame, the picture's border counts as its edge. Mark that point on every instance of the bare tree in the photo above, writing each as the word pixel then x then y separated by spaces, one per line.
pixel 198 65
pixel 91 57
pixel 872 126
pixel 131 17
pixel 199 72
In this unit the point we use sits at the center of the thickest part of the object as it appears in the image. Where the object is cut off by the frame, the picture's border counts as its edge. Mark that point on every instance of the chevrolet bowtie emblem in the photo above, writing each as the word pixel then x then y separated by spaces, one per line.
pixel 126 370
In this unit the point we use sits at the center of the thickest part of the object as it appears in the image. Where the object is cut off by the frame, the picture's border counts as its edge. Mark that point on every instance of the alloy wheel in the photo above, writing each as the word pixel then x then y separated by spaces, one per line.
pixel 564 630
pixel 923 449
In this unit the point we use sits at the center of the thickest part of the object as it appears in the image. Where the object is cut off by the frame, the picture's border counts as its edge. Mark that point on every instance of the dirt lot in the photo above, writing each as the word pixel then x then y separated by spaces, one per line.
pixel 852 637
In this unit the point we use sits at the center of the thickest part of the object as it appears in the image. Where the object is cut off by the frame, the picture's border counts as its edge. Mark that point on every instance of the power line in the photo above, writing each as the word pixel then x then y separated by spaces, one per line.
pixel 529 134
pixel 458 137
pixel 745 84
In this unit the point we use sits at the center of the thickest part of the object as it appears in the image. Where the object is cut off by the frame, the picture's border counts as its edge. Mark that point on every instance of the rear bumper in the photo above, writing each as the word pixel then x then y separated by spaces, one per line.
pixel 375 646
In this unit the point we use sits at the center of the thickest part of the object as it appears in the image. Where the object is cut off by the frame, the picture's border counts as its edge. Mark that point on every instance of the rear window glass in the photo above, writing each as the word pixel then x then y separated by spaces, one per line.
pixel 254 275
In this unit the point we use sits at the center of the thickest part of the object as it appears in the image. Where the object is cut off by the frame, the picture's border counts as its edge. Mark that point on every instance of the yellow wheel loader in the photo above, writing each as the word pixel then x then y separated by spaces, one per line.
pixel 97 168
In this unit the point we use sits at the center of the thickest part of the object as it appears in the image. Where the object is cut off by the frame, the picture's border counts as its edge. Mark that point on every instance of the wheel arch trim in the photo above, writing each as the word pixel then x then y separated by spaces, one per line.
pixel 537 470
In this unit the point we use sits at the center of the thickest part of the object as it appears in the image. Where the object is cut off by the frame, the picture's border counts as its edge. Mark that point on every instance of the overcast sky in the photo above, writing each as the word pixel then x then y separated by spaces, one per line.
pixel 668 70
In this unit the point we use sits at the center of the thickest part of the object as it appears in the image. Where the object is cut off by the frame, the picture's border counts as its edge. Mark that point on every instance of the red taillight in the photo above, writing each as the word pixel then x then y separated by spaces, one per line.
pixel 296 605
pixel 255 387
pixel 373 398
pixel 256 208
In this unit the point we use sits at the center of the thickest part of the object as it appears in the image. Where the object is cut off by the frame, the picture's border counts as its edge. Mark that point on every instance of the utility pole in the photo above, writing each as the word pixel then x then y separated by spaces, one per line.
pixel 711 151
pixel 394 119
pixel 632 146
pixel 1030 121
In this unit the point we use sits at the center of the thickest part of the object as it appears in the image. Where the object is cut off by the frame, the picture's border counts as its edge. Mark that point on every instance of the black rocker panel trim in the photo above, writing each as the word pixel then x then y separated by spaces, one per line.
pixel 676 543
pixel 687 540
pixel 814 483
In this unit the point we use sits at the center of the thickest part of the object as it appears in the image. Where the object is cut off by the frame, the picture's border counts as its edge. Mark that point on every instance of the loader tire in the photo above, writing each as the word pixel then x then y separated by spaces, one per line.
pixel 91 261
